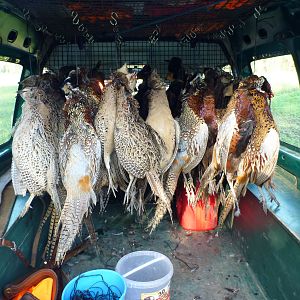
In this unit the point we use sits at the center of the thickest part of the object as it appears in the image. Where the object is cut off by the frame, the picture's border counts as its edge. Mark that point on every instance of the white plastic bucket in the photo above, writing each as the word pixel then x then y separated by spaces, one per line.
pixel 147 275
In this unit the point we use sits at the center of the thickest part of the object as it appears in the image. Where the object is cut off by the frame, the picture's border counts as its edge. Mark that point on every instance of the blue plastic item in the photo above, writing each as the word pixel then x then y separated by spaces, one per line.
pixel 113 279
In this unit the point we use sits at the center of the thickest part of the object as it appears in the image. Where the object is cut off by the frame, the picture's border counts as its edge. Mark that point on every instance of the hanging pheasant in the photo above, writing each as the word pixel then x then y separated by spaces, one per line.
pixel 192 146
pixel 80 157
pixel 105 124
pixel 138 146
pixel 35 143
pixel 161 120
pixel 247 143
pixel 259 160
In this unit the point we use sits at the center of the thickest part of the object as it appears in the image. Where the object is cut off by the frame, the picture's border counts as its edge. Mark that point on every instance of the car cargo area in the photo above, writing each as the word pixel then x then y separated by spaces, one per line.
pixel 207 265
pixel 149 150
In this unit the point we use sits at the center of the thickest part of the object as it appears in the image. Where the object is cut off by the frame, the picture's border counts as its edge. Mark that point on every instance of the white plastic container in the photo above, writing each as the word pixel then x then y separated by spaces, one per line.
pixel 147 275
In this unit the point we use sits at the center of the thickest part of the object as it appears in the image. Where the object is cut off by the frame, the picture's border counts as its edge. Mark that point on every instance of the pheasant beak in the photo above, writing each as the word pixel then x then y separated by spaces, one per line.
pixel 20 92
pixel 23 92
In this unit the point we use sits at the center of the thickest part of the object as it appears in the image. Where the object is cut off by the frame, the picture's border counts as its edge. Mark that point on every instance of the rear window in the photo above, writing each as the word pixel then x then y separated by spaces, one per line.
pixel 282 75
pixel 201 55
pixel 10 74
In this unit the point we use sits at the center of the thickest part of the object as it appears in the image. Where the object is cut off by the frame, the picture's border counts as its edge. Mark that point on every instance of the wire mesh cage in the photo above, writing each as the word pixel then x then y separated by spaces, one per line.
pixel 137 53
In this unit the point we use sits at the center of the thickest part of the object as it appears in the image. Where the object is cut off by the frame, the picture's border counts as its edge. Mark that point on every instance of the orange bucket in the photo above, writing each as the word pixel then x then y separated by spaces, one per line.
pixel 195 218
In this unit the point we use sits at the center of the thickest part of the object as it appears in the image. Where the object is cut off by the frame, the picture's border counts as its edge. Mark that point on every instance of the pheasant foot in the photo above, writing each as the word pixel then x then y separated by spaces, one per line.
pixel 128 190
pixel 271 194
pixel 262 199
pixel 190 189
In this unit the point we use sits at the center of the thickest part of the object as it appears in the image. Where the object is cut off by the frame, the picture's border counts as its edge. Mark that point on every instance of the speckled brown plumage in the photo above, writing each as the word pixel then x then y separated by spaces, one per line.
pixel 247 144
pixel 138 146
pixel 259 159
pixel 192 145
pixel 80 159
pixel 233 135
pixel 208 112
pixel 35 143
pixel 161 120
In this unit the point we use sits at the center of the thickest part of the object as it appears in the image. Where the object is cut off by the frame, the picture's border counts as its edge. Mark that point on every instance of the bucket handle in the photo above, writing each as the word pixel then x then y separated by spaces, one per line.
pixel 143 266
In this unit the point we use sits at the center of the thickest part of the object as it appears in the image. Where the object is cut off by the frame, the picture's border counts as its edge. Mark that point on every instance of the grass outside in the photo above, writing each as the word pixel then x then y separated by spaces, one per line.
pixel 7 105
pixel 285 107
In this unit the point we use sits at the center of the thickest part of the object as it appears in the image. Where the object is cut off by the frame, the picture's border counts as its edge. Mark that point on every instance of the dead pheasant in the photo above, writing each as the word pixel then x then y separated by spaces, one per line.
pixel 80 157
pixel 192 146
pixel 138 146
pixel 247 144
pixel 35 143
pixel 258 161
pixel 233 136
pixel 105 125
pixel 161 120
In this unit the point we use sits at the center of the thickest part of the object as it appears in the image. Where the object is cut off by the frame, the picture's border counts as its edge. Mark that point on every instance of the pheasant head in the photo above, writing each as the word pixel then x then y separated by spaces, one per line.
pixel 41 89
pixel 252 82
pixel 33 96
pixel 128 81
pixel 76 112
pixel 226 78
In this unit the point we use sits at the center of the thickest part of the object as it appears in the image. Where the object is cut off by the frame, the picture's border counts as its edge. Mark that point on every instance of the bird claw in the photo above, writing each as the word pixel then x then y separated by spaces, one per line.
pixel 237 212
pixel 151 226
pixel 273 198
pixel 263 200
pixel 190 190
pixel 265 207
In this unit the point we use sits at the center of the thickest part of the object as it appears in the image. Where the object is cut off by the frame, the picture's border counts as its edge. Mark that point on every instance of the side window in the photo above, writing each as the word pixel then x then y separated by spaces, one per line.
pixel 285 105
pixel 10 74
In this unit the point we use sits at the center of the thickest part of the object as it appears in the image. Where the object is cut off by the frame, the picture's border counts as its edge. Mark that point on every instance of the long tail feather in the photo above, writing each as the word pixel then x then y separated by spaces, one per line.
pixel 76 206
pixel 38 233
pixel 228 206
pixel 52 235
pixel 163 199
pixel 207 184
pixel 160 211
pixel 88 221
